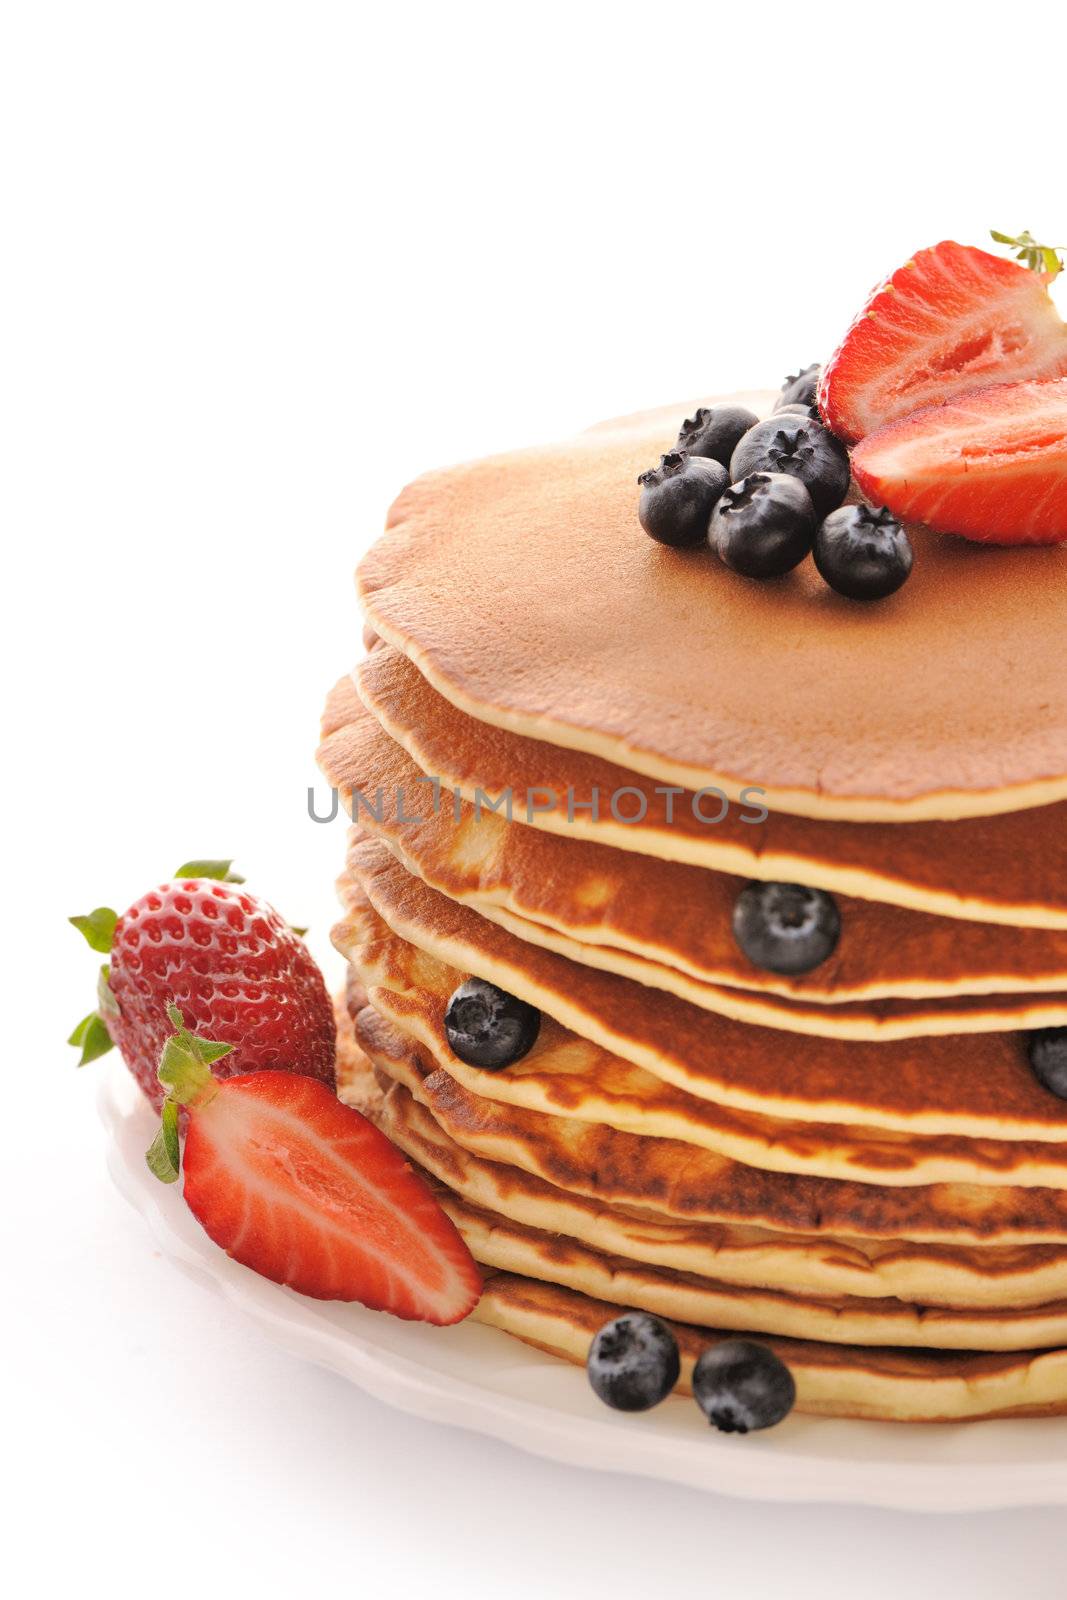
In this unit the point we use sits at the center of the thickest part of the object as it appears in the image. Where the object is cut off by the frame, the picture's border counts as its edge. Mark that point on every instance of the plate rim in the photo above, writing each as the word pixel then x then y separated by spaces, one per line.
pixel 713 1466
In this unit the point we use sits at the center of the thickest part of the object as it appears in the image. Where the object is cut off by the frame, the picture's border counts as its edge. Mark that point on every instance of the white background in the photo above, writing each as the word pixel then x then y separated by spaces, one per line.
pixel 262 264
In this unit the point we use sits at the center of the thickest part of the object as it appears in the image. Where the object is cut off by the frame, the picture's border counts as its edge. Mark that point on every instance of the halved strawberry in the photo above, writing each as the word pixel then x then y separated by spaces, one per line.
pixel 991 465
pixel 951 319
pixel 306 1191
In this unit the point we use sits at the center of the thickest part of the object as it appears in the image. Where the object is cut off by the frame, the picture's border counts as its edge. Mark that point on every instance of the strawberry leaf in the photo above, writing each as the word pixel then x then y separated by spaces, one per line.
pixel 163 1154
pixel 98 927
pixel 91 1038
pixel 1038 257
pixel 184 1065
pixel 209 869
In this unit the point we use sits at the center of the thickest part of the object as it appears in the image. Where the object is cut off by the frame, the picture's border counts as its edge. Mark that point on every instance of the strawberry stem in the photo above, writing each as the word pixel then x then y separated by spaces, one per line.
pixel 1038 257
pixel 185 1064
pixel 185 1073
pixel 163 1154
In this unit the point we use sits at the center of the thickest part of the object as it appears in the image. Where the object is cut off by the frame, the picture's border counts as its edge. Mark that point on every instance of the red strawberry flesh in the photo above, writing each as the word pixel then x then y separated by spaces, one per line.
pixel 307 1192
pixel 991 465
pixel 950 320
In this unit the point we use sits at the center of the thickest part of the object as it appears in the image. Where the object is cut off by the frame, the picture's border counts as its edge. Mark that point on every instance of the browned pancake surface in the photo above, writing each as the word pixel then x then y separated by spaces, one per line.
pixel 928 1274
pixel 976 1085
pixel 677 914
pixel 832 1380
pixel 1002 869
pixel 664 1178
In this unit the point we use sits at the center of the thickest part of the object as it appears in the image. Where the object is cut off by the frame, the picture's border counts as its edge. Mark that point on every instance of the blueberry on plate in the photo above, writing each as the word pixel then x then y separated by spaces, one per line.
pixel 801 388
pixel 785 927
pixel 763 526
pixel 715 431
pixel 1047 1049
pixel 487 1027
pixel 862 553
pixel 678 497
pixel 801 447
pixel 633 1362
pixel 741 1386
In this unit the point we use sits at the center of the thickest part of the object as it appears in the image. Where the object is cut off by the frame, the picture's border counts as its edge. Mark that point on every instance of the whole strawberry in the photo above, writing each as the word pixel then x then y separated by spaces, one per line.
pixel 236 969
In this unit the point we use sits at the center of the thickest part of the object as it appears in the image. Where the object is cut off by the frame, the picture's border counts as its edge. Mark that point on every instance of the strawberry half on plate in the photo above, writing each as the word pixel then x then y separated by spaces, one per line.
pixel 306 1191
pixel 991 465
pixel 952 319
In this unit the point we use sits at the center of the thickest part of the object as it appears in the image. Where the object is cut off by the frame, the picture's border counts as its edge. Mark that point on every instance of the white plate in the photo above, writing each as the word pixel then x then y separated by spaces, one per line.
pixel 484 1380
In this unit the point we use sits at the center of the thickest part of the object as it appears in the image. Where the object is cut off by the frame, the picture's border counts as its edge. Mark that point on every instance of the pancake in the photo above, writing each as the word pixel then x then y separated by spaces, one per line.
pixel 524 589
pixel 869 1019
pixel 980 1086
pixel 507 1246
pixel 832 1380
pixel 1009 870
pixel 567 1076
pixel 603 904
pixel 456 852
pixel 825 1268
pixel 664 1179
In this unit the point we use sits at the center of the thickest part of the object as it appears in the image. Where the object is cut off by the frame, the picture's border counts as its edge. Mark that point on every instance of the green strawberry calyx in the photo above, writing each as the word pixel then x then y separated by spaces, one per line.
pixel 1044 258
pixel 91 1036
pixel 220 870
pixel 185 1073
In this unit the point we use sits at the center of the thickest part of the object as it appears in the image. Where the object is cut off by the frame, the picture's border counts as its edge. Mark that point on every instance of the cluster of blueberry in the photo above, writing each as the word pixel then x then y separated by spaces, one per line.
pixel 633 1364
pixel 766 494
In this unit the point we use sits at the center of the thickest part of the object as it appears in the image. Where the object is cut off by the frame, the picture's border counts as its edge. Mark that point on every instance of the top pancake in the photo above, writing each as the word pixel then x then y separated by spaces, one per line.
pixel 525 591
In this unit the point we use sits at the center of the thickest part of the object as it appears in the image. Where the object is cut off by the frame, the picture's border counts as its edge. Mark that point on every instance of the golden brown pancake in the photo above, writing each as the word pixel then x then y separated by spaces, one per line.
pixel 495 1241
pixel 499 1241
pixel 669 924
pixel 664 1179
pixel 958 1276
pixel 565 1075
pixel 980 1086
pixel 872 1020
pixel 832 1380
pixel 1009 870
pixel 525 591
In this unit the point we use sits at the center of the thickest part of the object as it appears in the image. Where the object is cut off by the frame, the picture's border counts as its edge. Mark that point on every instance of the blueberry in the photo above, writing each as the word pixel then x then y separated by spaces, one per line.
pixel 863 554
pixel 786 928
pixel 801 447
pixel 715 433
pixel 678 497
pixel 487 1027
pixel 797 411
pixel 633 1362
pixel 800 389
pixel 741 1386
pixel 763 526
pixel 1047 1049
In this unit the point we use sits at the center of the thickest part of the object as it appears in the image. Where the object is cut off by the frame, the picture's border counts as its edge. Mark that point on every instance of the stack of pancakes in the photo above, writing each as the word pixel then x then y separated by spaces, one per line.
pixel 857 1165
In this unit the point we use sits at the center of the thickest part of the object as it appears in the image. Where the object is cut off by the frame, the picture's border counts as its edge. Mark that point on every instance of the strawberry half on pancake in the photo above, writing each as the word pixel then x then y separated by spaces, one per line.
pixel 990 465
pixel 950 320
